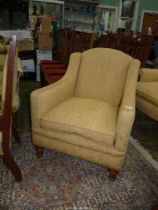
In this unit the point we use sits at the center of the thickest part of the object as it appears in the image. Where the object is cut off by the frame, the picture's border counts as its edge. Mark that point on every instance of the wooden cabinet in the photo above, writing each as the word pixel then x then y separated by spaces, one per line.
pixel 13 14
pixel 51 8
pixel 80 15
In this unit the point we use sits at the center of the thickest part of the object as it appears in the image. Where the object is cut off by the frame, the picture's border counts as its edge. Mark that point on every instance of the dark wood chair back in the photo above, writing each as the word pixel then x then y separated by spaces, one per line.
pixel 83 41
pixel 10 80
pixel 141 48
pixel 113 41
pixel 62 44
pixel 124 43
pixel 103 40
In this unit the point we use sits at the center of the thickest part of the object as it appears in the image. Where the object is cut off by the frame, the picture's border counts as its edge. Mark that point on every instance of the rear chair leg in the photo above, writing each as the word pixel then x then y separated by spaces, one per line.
pixel 39 151
pixel 112 174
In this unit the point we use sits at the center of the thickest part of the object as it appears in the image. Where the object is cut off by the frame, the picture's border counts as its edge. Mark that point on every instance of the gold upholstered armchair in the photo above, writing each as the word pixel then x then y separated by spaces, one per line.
pixel 90 111
pixel 147 92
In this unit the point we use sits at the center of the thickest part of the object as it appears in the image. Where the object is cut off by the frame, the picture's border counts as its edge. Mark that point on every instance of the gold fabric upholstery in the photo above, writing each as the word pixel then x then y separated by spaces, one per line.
pixel 147 92
pixel 89 112
pixel 90 118
pixel 3 48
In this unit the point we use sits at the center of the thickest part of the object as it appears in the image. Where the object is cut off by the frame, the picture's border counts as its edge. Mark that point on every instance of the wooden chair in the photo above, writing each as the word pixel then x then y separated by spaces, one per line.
pixel 124 43
pixel 113 41
pixel 55 69
pixel 51 71
pixel 63 43
pixel 9 91
pixel 103 41
pixel 141 48
pixel 83 41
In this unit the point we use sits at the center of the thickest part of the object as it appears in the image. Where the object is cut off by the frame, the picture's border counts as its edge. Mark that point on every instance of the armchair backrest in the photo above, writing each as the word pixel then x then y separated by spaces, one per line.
pixel 102 74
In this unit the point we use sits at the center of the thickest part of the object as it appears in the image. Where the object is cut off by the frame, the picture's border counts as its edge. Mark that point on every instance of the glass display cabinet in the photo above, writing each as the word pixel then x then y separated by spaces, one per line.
pixel 81 15
pixel 127 14
pixel 107 18
pixel 52 8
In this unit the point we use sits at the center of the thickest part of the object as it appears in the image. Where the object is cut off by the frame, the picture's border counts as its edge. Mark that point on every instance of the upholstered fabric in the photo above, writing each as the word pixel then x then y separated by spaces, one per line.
pixel 110 157
pixel 89 112
pixel 2 60
pixel 148 75
pixel 147 107
pixel 89 118
pixel 126 111
pixel 3 48
pixel 101 76
pixel 3 52
pixel 147 92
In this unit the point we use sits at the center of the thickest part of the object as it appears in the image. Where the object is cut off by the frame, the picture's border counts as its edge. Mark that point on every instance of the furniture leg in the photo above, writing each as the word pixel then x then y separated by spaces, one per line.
pixel 12 166
pixel 39 151
pixel 112 174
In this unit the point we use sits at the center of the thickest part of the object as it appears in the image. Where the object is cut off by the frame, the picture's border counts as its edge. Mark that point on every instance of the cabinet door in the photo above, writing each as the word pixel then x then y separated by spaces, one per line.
pixel 106 20
pixel 150 20
pixel 54 9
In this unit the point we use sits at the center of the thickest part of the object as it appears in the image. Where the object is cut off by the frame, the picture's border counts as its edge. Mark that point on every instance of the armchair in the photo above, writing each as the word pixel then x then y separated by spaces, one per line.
pixel 147 92
pixel 89 112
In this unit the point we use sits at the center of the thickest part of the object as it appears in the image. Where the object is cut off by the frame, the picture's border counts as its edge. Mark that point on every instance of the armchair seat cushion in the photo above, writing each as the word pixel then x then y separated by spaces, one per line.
pixel 148 91
pixel 89 118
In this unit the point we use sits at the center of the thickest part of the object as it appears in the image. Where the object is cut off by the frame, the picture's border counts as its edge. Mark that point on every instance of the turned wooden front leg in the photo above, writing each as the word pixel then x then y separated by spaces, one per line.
pixel 39 151
pixel 112 174
pixel 12 166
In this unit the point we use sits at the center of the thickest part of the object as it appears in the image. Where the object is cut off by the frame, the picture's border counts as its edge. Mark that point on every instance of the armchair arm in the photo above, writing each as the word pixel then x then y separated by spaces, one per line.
pixel 43 99
pixel 148 75
pixel 126 112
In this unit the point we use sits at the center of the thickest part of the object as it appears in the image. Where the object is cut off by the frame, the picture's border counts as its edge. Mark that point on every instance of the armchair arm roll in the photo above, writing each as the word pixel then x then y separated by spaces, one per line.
pixel 45 98
pixel 126 112
pixel 148 75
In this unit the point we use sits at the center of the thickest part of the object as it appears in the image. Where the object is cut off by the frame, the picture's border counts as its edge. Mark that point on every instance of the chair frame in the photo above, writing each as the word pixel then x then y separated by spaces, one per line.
pixel 6 119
